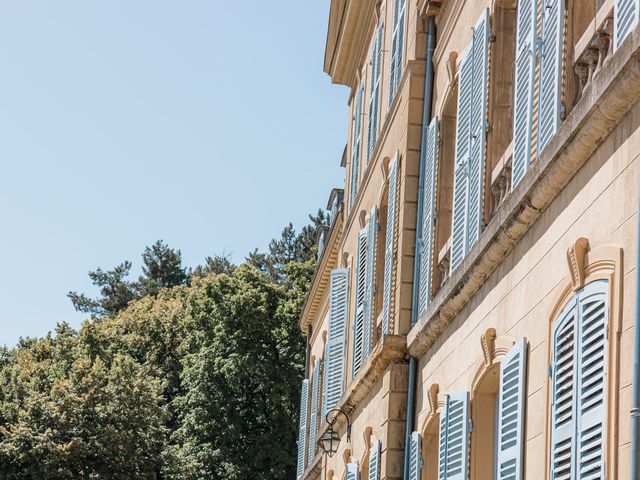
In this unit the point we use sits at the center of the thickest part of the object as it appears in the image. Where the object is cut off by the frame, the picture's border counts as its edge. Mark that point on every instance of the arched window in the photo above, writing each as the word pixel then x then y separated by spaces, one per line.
pixel 579 364
pixel 430 449
pixel 484 414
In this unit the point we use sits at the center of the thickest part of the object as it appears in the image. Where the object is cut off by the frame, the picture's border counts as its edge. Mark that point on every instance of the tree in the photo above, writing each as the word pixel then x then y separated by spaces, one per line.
pixel 162 268
pixel 218 264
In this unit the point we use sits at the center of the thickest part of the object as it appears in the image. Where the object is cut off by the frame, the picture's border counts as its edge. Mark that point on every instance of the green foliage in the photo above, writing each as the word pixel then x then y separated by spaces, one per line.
pixel 177 376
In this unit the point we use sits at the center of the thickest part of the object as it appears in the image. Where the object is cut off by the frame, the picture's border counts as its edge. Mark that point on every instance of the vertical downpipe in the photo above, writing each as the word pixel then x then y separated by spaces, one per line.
pixel 426 116
pixel 635 401
pixel 307 360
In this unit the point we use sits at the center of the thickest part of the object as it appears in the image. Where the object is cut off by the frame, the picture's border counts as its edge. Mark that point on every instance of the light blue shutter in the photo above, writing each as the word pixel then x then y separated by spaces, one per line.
pixel 352 471
pixel 397 46
pixel 625 19
pixel 428 215
pixel 523 90
pixel 563 393
pixel 370 287
pixel 511 414
pixel 302 431
pixel 357 145
pixel 389 246
pixel 415 458
pixel 461 172
pixel 325 382
pixel 374 90
pixel 359 317
pixel 453 457
pixel 338 291
pixel 478 129
pixel 374 461
pixel 550 70
pixel 592 384
pixel 313 420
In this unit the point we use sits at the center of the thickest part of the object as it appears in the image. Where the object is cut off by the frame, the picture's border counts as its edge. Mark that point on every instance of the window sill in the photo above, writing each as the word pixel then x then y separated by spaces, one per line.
pixel 602 106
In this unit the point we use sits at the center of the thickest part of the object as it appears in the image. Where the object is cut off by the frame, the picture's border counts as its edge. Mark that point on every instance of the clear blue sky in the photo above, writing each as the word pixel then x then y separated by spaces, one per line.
pixel 208 124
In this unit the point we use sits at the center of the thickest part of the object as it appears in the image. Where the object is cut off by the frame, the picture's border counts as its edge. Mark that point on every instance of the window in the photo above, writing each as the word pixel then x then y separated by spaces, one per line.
pixel 626 18
pixel 388 290
pixel 356 144
pixel 302 430
pixel 313 416
pixel 373 470
pixel 397 46
pixel 578 388
pixel 453 451
pixel 374 89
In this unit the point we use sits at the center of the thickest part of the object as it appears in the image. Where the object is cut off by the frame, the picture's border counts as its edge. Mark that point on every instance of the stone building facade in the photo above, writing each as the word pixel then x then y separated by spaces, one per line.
pixel 472 312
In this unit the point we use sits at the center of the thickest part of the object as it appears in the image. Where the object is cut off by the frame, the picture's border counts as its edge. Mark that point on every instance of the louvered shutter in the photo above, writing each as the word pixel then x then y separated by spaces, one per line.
pixel 325 382
pixel 352 471
pixel 550 70
pixel 428 214
pixel 442 441
pixel 397 46
pixel 374 90
pixel 592 373
pixel 461 172
pixel 523 89
pixel 415 459
pixel 372 234
pixel 453 457
pixel 625 19
pixel 356 145
pixel 302 431
pixel 563 393
pixel 511 414
pixel 361 284
pixel 313 416
pixel 478 129
pixel 389 246
pixel 374 461
pixel 338 292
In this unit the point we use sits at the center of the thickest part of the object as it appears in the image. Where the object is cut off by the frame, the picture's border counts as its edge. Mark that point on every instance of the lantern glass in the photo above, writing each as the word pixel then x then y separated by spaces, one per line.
pixel 329 441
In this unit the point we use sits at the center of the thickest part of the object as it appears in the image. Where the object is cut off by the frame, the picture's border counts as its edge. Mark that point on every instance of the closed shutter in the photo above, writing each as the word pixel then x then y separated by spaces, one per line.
pixel 563 394
pixel 313 417
pixel 511 413
pixel 389 246
pixel 374 90
pixel 523 90
pixel 358 323
pixel 374 461
pixel 592 361
pixel 625 19
pixel 338 292
pixel 415 459
pixel 397 46
pixel 461 172
pixel 478 129
pixel 356 145
pixel 302 432
pixel 352 471
pixel 370 286
pixel 453 457
pixel 550 70
pixel 428 214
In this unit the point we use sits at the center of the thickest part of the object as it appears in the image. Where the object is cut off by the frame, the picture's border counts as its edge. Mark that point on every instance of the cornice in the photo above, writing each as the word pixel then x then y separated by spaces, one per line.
pixel 612 93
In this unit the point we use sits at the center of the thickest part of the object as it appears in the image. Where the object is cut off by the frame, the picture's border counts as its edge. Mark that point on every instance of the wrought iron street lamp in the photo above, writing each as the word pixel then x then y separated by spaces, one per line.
pixel 330 439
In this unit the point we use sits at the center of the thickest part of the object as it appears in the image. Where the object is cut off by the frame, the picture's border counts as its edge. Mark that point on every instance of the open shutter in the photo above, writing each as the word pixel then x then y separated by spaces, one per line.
pixel 374 461
pixel 453 456
pixel 415 459
pixel 397 46
pixel 313 416
pixel 478 129
pixel 372 233
pixel 511 413
pixel 428 214
pixel 389 246
pixel 356 145
pixel 374 91
pixel 442 442
pixel 550 70
pixel 523 90
pixel 592 361
pixel 302 432
pixel 325 383
pixel 358 323
pixel 338 292
pixel 352 471
pixel 461 172
pixel 625 18
pixel 563 394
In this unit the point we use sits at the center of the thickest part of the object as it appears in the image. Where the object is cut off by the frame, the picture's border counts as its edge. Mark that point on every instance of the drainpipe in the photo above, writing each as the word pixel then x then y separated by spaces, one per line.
pixel 426 116
pixel 307 360
pixel 635 401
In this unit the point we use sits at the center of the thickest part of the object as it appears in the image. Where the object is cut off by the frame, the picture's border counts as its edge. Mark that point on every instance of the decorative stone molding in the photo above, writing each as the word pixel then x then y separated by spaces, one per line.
pixel 488 341
pixel 575 256
pixel 494 348
pixel 432 397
